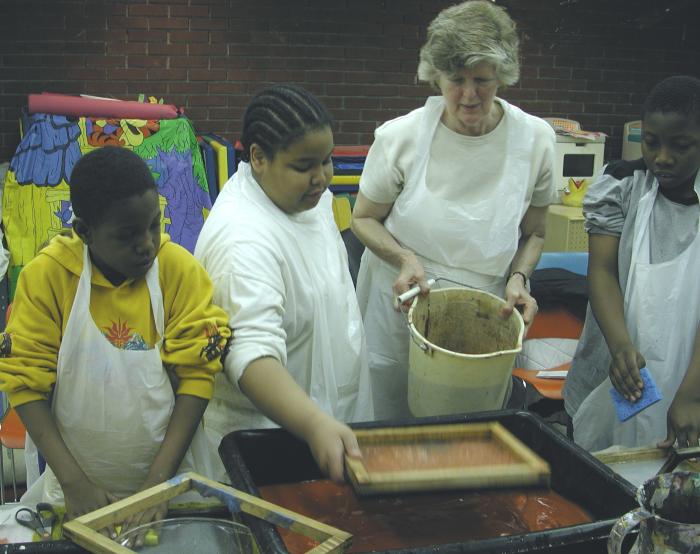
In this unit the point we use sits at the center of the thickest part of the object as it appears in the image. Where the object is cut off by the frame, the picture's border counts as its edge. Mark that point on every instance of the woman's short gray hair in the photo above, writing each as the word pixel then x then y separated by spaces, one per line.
pixel 467 34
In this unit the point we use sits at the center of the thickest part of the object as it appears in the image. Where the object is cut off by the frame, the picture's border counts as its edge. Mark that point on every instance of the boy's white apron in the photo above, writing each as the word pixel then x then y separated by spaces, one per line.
pixel 111 406
pixel 662 312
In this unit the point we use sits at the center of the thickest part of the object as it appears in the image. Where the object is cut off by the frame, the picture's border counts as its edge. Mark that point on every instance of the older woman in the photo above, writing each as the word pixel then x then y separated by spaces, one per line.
pixel 457 189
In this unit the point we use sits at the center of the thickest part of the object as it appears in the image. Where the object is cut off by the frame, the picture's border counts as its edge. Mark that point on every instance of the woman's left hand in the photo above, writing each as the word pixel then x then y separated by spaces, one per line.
pixel 517 295
pixel 682 421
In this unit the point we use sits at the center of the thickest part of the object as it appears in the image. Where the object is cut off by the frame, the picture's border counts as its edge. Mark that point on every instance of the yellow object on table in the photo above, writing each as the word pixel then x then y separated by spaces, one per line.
pixel 342 212
pixel 564 230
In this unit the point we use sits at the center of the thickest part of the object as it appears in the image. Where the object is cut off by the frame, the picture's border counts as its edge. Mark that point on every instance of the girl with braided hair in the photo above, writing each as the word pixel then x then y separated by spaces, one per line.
pixel 280 269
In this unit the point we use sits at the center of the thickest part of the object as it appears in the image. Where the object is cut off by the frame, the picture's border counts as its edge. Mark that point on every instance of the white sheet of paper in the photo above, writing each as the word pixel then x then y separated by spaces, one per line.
pixel 552 374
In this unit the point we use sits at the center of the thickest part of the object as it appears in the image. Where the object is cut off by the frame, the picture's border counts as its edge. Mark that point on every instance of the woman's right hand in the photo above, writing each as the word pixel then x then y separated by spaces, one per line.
pixel 411 273
pixel 624 371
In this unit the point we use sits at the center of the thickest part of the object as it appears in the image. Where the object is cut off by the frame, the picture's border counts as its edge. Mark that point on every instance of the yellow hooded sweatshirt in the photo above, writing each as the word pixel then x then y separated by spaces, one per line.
pixel 196 331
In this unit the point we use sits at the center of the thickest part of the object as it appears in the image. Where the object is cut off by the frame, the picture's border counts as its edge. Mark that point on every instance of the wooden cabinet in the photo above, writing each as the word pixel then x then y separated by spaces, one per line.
pixel 565 232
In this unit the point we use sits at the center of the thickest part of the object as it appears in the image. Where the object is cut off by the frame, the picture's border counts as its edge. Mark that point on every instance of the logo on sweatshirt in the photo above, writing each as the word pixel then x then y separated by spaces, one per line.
pixel 121 336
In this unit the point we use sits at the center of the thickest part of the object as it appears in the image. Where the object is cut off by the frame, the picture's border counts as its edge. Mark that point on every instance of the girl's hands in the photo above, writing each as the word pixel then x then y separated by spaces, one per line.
pixel 330 440
pixel 156 513
pixel 682 421
pixel 624 371
pixel 83 496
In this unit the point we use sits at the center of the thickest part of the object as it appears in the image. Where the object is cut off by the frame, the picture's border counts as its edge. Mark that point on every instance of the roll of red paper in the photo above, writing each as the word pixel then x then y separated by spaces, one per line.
pixel 62 104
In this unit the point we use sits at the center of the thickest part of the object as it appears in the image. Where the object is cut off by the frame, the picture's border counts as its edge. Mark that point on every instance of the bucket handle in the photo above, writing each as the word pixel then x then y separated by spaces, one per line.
pixel 623 526
pixel 424 347
pixel 412 293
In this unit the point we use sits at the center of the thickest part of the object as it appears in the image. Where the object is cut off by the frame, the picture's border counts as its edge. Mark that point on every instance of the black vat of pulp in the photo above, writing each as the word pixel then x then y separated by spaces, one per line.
pixel 273 456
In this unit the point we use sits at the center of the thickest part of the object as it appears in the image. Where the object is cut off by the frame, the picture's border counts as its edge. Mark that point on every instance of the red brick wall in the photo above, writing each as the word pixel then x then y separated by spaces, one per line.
pixel 590 60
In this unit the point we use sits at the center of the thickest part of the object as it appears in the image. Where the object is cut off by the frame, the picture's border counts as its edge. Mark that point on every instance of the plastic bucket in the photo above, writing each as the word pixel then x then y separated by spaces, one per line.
pixel 462 352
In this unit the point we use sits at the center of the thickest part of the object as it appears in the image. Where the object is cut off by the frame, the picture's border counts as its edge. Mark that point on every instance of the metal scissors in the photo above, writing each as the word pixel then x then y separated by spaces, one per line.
pixel 32 519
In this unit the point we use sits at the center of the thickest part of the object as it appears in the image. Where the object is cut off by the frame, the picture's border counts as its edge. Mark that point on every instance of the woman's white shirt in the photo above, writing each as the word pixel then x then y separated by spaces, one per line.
pixel 454 158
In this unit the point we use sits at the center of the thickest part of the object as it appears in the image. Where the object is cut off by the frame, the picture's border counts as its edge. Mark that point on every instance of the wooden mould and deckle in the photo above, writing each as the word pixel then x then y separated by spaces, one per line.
pixel 434 457
pixel 84 530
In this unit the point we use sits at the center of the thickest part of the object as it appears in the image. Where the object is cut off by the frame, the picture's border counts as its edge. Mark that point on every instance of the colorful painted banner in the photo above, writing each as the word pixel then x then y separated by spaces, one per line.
pixel 36 199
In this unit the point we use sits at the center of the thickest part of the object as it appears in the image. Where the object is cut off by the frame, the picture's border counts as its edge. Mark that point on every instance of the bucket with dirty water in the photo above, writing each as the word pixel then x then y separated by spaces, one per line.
pixel 462 352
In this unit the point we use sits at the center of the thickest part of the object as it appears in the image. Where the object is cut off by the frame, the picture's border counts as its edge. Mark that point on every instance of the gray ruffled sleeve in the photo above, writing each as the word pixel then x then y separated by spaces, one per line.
pixel 603 205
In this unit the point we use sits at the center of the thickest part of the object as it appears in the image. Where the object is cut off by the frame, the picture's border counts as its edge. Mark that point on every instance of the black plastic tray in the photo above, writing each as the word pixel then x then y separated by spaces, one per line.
pixel 272 456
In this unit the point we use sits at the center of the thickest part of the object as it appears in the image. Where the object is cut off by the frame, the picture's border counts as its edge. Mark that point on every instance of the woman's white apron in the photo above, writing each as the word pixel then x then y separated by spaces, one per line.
pixel 473 244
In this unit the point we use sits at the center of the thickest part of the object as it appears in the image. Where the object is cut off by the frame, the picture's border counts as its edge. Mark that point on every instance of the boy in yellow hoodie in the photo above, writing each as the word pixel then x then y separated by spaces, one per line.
pixel 96 319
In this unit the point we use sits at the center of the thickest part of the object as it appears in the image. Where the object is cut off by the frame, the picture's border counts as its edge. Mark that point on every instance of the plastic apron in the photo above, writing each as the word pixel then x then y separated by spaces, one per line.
pixel 471 243
pixel 111 406
pixel 335 353
pixel 662 312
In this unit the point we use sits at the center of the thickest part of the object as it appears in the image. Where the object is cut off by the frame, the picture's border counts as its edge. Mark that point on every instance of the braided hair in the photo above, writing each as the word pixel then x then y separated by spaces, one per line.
pixel 278 116
pixel 105 176
pixel 678 94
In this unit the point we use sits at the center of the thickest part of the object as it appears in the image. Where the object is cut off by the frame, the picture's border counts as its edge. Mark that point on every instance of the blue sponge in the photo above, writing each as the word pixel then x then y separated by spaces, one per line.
pixel 650 395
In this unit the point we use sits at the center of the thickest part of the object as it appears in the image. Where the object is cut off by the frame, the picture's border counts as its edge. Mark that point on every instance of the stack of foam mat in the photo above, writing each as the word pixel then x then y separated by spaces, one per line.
pixel 220 161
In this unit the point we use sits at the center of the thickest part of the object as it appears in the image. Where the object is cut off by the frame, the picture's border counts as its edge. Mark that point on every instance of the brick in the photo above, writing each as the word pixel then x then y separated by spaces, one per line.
pixel 570 84
pixel 520 94
pixel 168 74
pixel 538 83
pixel 359 102
pixel 555 72
pixel 190 11
pixel 207 24
pixel 147 10
pixel 599 108
pixel 127 48
pixel 70 47
pixel 118 22
pixel 311 76
pixel 146 61
pixel 225 113
pixel 242 75
pixel 121 74
pixel 149 88
pixel 227 88
pixel 207 100
pixel 80 73
pixel 187 88
pixel 108 89
pixel 206 74
pixel 188 36
pixel 141 35
pixel 201 49
pixel 105 61
pixel 165 49
pixel 401 104
pixel 357 126
pixel 168 23
pixel 189 61
pixel 232 62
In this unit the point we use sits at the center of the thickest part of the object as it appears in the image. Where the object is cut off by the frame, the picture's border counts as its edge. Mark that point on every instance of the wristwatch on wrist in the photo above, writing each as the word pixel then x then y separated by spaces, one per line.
pixel 521 274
